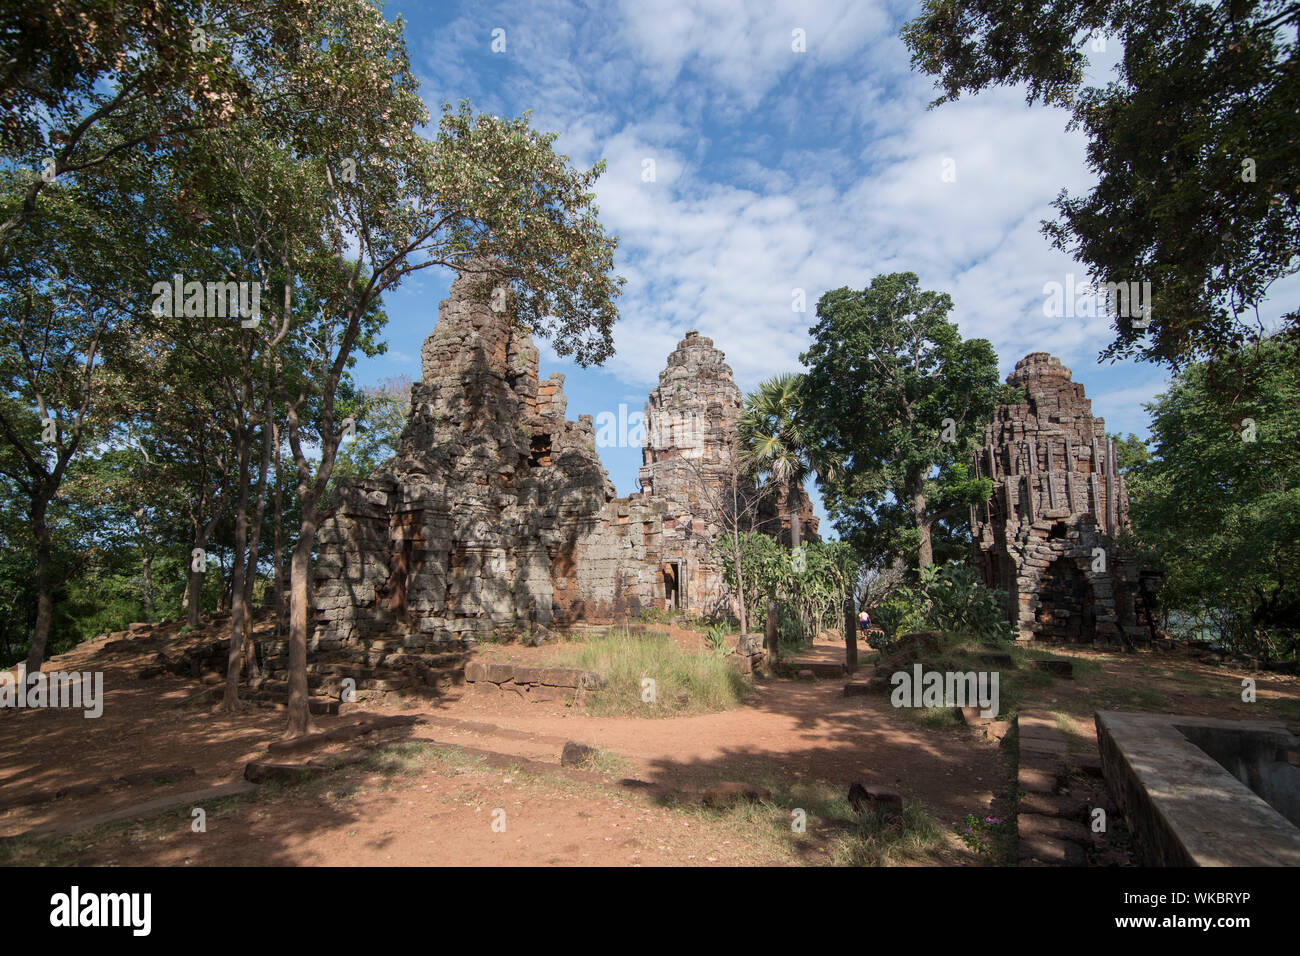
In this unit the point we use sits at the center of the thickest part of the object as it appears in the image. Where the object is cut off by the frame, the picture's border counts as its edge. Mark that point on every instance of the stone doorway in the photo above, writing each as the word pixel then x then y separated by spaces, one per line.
pixel 1066 611
pixel 672 585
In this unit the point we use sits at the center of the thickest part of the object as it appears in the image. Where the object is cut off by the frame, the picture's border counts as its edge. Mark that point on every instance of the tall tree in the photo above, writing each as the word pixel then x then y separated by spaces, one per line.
pixel 895 394
pixel 486 195
pixel 775 445
pixel 1219 501
pixel 66 303
pixel 1194 146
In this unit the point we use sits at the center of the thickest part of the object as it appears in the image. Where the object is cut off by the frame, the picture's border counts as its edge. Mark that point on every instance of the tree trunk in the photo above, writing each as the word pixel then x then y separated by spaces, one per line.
pixel 925 555
pixel 259 512
pixel 772 639
pixel 740 583
pixel 194 589
pixel 299 714
pixel 44 594
pixel 277 556
pixel 238 571
pixel 850 637
pixel 735 548
pixel 792 503
pixel 146 585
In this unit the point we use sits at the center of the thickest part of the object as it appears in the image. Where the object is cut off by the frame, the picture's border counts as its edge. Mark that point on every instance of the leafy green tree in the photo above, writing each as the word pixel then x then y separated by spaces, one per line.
pixel 1194 145
pixel 84 85
pixel 1219 502
pixel 754 566
pixel 379 419
pixel 952 599
pixel 895 394
pixel 1131 452
pixel 65 308
pixel 775 447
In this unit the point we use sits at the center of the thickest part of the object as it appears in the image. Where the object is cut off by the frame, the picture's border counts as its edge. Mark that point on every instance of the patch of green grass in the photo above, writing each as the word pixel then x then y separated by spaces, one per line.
pixel 862 839
pixel 936 718
pixel 603 761
pixel 684 681
pixel 852 839
pixel 1128 697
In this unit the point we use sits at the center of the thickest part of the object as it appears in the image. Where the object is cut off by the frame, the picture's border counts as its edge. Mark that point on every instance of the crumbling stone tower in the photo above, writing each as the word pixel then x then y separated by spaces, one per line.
pixel 1047 536
pixel 495 515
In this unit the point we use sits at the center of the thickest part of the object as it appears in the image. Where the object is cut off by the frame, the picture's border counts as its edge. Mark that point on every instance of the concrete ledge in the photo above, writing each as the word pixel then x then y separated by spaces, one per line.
pixel 1185 808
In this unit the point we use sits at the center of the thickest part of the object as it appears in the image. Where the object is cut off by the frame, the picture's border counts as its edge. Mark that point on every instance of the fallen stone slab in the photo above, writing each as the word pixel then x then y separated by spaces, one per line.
pixel 728 794
pixel 1043 745
pixel 1033 780
pixel 866 797
pixel 1052 805
pixel 85 788
pixel 561 677
pixel 1056 667
pixel 337 734
pixel 1051 851
pixel 1060 828
pixel 818 668
pixel 193 798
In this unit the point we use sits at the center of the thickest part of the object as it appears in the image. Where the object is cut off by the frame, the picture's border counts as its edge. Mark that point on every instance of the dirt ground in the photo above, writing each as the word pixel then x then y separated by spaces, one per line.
pixel 790 733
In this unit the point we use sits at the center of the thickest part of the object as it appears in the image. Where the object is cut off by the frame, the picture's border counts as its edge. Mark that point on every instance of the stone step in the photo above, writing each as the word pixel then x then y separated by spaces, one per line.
pixel 819 668
pixel 193 798
pixel 1049 850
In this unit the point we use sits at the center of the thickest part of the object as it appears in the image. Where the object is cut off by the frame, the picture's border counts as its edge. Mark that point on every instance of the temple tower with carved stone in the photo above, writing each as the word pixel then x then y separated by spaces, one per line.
pixel 1048 537
pixel 496 515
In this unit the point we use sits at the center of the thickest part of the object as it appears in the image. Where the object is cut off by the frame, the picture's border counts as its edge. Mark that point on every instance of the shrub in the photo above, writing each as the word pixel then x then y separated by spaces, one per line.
pixel 949 598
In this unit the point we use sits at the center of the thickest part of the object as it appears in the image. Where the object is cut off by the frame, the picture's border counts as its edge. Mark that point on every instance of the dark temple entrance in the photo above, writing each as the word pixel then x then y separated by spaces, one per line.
pixel 1067 611
pixel 672 586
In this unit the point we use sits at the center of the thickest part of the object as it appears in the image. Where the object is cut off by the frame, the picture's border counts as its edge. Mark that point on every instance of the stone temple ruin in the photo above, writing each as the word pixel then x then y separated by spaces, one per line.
pixel 1047 537
pixel 495 515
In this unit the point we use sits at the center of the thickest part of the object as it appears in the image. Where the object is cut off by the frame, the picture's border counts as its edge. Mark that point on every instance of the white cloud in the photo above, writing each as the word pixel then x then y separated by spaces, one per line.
pixel 777 170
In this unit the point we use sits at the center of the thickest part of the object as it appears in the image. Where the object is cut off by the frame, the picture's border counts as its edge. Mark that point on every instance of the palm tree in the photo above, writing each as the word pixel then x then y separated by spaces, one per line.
pixel 773 443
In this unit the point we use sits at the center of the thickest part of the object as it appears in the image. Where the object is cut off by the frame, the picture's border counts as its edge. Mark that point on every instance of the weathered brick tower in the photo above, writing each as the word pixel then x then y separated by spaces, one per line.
pixel 1047 536
pixel 495 515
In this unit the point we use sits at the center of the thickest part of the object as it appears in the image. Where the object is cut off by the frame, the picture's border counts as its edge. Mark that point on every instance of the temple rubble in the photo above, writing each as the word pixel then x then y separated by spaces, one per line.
pixel 495 515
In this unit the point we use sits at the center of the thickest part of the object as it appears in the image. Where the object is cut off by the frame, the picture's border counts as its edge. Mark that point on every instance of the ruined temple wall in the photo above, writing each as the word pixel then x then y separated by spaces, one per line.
pixel 1047 535
pixel 496 514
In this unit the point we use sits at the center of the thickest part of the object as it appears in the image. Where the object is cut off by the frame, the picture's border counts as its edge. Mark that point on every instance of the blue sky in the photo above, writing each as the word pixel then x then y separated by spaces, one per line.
pixel 775 170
